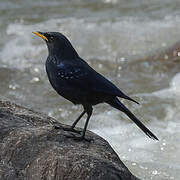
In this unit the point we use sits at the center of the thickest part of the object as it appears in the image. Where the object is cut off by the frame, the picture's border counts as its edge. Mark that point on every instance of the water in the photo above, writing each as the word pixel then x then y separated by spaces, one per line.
pixel 119 38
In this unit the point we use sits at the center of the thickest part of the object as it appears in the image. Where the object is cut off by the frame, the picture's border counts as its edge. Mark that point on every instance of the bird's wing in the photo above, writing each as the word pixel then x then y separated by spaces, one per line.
pixel 74 76
pixel 104 85
pixel 82 76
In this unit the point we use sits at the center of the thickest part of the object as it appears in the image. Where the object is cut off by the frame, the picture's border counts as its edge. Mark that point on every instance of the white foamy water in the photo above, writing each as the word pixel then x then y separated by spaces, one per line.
pixel 173 91
pixel 122 39
pixel 156 157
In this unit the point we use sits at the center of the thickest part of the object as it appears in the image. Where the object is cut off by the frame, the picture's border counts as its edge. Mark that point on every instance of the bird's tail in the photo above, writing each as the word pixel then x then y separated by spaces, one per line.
pixel 128 98
pixel 118 105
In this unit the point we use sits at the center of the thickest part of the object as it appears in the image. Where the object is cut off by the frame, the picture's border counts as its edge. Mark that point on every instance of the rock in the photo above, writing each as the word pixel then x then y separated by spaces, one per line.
pixel 32 149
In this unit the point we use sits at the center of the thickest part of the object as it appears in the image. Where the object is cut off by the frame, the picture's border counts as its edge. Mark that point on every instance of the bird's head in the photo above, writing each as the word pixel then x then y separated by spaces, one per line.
pixel 58 44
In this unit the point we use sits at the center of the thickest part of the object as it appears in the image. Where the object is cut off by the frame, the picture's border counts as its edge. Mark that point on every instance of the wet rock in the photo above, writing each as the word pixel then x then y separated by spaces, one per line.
pixel 32 149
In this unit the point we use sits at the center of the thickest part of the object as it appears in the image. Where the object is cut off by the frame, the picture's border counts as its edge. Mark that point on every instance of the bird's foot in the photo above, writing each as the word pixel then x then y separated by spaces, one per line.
pixel 72 130
pixel 79 138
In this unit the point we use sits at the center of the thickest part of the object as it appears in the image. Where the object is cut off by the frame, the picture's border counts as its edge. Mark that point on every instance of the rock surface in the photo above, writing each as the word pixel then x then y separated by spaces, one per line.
pixel 32 149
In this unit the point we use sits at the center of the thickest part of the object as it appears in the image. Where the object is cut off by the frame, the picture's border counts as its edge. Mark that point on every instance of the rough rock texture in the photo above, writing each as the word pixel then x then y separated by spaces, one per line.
pixel 32 149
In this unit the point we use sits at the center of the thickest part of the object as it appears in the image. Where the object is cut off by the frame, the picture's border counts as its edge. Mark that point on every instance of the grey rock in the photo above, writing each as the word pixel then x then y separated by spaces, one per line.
pixel 32 149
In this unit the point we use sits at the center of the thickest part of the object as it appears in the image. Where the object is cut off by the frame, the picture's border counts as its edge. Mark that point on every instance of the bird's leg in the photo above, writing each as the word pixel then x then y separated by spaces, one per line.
pixel 88 110
pixel 71 129
pixel 89 113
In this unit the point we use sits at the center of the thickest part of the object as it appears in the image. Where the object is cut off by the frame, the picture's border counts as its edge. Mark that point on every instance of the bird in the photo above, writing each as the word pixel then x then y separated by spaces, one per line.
pixel 75 80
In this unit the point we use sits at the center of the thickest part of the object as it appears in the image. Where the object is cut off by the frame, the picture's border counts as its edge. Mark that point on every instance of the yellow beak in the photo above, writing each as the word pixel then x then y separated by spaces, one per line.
pixel 40 35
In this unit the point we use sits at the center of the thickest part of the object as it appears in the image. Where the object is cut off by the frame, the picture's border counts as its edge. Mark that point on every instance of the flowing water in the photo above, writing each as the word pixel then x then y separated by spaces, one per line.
pixel 117 38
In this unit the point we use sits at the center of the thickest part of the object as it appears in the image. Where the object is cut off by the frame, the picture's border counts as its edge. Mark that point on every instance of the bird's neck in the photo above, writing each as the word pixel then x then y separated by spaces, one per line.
pixel 64 53
pixel 56 59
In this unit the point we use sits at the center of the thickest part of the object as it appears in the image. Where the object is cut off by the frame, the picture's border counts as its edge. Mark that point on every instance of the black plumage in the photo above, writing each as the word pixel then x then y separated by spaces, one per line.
pixel 79 83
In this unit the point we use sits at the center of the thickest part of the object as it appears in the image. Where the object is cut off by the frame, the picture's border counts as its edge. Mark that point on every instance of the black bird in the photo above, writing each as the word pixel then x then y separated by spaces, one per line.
pixel 76 81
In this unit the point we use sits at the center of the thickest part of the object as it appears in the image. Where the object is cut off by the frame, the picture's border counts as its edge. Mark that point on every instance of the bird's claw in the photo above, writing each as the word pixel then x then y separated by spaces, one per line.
pixel 72 130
